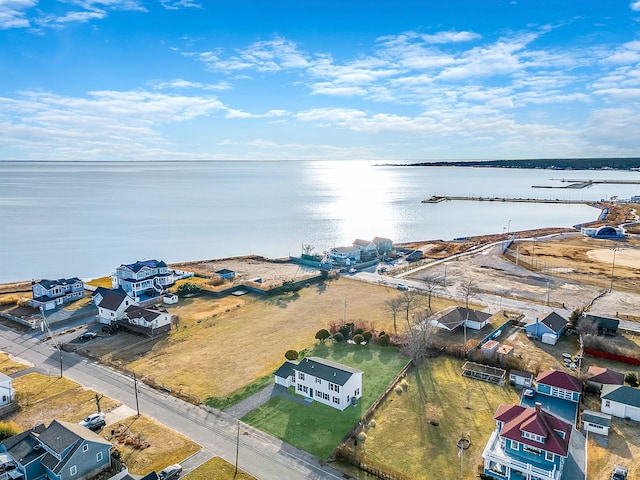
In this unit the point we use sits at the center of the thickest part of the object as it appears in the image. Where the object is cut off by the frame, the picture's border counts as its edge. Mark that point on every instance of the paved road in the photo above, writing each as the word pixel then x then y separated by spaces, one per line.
pixel 261 455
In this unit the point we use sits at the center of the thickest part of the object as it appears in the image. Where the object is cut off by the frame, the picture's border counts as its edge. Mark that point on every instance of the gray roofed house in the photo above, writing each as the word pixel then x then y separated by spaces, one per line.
pixel 596 422
pixel 606 325
pixel 621 401
pixel 47 294
pixel 318 379
pixel 63 450
pixel 453 317
pixel 148 321
pixel 111 304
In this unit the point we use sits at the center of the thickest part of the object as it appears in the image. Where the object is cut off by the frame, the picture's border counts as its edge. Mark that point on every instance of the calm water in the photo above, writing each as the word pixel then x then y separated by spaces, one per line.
pixel 85 219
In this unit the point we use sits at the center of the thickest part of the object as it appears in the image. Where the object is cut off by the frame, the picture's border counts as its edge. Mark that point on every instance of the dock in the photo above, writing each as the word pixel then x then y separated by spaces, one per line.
pixel 442 198
pixel 585 183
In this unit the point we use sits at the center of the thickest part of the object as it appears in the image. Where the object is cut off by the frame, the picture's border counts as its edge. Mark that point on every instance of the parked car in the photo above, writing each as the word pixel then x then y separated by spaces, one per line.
pixel 529 393
pixel 619 472
pixel 402 286
pixel 567 356
pixel 171 472
pixel 93 422
pixel 88 336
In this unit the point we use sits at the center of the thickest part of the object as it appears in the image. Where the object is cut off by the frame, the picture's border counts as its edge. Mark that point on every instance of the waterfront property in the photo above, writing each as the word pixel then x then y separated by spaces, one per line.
pixel 49 294
pixel 148 321
pixel 528 443
pixel 606 231
pixel 344 255
pixel 327 382
pixel 111 304
pixel 143 278
pixel 60 451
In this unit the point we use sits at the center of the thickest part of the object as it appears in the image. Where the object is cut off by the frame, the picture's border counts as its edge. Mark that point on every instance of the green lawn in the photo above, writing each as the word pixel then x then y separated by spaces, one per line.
pixel 404 439
pixel 318 428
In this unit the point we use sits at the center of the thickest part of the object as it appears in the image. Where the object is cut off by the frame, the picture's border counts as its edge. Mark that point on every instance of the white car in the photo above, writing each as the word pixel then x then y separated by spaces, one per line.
pixel 95 421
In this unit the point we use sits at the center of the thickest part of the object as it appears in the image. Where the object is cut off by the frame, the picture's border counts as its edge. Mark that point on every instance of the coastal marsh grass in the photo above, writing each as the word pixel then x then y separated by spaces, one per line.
pixel 217 469
pixel 222 344
pixel 104 282
pixel 291 422
pixel 165 446
pixel 404 437
pixel 44 398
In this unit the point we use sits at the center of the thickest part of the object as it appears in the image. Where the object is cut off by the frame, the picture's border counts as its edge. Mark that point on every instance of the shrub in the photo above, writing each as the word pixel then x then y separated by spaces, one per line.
pixel 358 339
pixel 367 336
pixel 345 330
pixel 362 437
pixel 322 335
pixel 632 379
pixel 9 300
pixel 338 337
pixel 188 288
pixel 291 355
pixel 358 331
pixel 384 340
pixel 8 429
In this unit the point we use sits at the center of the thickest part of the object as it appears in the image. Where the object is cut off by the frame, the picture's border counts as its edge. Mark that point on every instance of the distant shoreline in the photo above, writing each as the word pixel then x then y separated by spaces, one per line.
pixel 626 164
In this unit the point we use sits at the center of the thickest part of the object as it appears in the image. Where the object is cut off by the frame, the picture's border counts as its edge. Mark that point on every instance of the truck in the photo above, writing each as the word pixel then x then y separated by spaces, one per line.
pixel 619 473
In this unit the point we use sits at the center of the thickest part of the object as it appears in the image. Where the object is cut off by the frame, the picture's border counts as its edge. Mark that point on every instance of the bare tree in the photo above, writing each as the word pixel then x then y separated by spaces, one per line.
pixel 419 338
pixel 394 305
pixel 432 285
pixel 410 299
pixel 468 290
pixel 587 326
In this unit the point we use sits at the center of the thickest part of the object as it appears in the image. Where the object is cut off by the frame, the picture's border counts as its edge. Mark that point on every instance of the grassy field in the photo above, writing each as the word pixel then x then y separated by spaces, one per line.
pixel 147 445
pixel 43 399
pixel 217 335
pixel 404 438
pixel 292 422
pixel 217 469
pixel 100 282
pixel 623 449
pixel 9 366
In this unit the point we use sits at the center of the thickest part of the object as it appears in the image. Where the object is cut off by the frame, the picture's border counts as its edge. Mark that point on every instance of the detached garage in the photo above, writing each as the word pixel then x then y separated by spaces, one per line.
pixel 621 401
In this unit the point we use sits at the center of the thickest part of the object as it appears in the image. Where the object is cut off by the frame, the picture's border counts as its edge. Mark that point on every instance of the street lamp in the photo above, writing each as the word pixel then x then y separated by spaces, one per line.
pixel 613 266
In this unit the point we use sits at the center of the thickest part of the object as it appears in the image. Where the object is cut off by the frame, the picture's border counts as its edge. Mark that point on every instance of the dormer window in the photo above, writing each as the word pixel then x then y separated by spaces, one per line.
pixel 560 432
pixel 533 436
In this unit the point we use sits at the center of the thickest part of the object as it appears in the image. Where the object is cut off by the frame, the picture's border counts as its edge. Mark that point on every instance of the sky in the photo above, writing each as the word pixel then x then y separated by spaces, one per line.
pixel 408 80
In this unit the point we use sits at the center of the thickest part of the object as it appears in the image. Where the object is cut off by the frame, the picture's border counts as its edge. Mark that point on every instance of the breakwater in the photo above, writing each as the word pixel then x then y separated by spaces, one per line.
pixel 442 198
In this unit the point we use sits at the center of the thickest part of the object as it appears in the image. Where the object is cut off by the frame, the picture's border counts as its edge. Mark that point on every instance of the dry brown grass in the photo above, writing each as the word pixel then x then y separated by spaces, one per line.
pixel 249 335
pixel 42 399
pixel 100 282
pixel 8 366
pixel 147 445
pixel 623 449
pixel 217 469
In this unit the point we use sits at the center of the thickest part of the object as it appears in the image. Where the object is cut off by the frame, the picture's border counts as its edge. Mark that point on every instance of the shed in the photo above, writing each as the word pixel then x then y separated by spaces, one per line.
pixel 505 351
pixel 225 273
pixel 549 338
pixel 170 298
pixel 520 378
pixel 596 422
pixel 489 347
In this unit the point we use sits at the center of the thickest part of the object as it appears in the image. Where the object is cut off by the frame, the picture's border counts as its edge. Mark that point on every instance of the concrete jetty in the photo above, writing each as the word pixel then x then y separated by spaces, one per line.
pixel 442 198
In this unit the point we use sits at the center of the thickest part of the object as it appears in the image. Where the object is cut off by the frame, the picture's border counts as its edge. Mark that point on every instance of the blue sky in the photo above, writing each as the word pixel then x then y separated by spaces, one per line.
pixel 378 80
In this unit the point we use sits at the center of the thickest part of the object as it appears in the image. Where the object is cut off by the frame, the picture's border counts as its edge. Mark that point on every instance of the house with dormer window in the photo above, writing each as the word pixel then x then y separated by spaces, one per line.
pixel 527 444
pixel 143 278
pixel 331 383
pixel 61 451
pixel 49 294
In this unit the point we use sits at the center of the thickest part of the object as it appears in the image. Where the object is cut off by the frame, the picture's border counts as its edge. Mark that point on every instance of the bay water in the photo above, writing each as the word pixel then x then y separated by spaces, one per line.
pixel 64 219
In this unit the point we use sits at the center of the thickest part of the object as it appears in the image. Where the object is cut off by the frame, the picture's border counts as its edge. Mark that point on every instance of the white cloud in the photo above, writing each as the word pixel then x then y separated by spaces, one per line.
pixel 181 83
pixel 178 4
pixel 13 13
pixel 451 37
pixel 635 6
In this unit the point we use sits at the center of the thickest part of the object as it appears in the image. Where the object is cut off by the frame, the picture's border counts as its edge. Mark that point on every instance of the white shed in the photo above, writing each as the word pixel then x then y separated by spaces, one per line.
pixel 520 379
pixel 549 338
pixel 596 422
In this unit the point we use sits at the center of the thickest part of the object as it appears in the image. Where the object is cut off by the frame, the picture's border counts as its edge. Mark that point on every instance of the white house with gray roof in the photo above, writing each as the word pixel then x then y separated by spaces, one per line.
pixel 6 389
pixel 621 401
pixel 144 277
pixel 327 382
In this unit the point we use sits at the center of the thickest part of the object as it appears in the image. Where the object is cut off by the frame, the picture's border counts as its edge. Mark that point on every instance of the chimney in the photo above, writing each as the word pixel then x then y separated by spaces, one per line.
pixel 538 406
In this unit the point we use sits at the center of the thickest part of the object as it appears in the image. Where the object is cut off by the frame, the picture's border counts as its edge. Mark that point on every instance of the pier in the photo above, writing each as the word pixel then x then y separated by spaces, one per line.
pixel 585 183
pixel 442 198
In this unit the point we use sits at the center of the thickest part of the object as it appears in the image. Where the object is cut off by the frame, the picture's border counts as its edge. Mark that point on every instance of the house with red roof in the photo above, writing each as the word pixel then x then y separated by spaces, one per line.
pixel 599 376
pixel 527 443
pixel 559 384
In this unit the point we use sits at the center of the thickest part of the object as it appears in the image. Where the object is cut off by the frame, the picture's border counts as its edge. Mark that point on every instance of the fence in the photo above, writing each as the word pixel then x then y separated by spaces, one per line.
pixel 612 356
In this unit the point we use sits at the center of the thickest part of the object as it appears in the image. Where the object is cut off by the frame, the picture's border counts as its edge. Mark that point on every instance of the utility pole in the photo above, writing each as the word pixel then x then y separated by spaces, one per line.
pixel 613 266
pixel 135 387
pixel 48 330
pixel 237 448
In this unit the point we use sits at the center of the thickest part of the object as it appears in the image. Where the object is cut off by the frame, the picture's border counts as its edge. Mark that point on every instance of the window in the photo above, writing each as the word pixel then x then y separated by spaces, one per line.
pixel 318 380
pixel 515 445
pixel 325 396
pixel 499 425
pixel 99 457
pixel 305 389
pixel 607 403
pixel 334 387
pixel 336 400
pixel 548 456
pixel 357 392
pixel 533 436
pixel 85 448
pixel 73 470
pixel 301 375
pixel 299 387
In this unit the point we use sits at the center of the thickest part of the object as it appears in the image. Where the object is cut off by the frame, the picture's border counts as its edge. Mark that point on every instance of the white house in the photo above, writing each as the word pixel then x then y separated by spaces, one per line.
pixel 6 390
pixel 621 401
pixel 344 255
pixel 48 294
pixel 368 249
pixel 111 304
pixel 170 298
pixel 596 422
pixel 142 278
pixel 383 245
pixel 520 378
pixel 327 382
pixel 150 321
